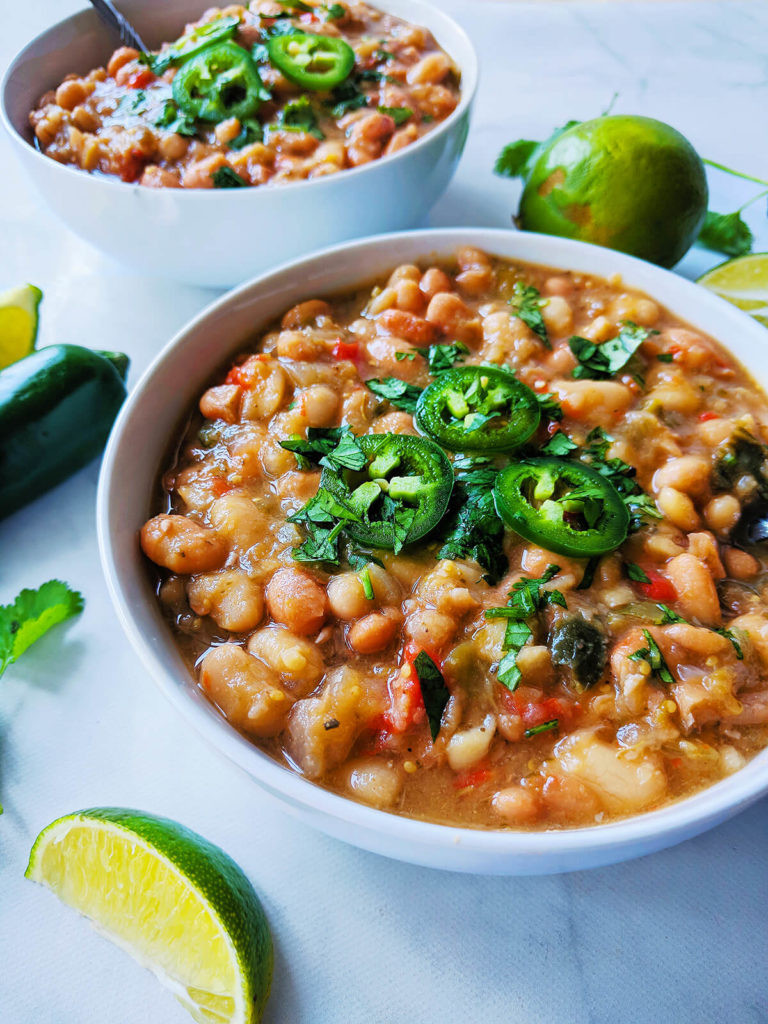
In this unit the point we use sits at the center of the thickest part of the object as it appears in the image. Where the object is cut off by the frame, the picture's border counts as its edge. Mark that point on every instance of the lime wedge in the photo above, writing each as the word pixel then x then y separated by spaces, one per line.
pixel 177 904
pixel 742 282
pixel 18 323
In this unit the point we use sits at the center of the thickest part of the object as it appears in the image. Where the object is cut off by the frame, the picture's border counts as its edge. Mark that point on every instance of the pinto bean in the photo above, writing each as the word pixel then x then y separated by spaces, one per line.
pixel 475 272
pixel 407 325
pixel 367 138
pixel 122 56
pixel 245 689
pixel 518 805
pixel 233 600
pixel 594 400
pixel 433 281
pixel 454 318
pixel 182 545
pixel 374 780
pixel 696 592
pixel 221 403
pixel 688 473
pixel 374 631
pixel 297 601
pixel 298 661
pixel 305 313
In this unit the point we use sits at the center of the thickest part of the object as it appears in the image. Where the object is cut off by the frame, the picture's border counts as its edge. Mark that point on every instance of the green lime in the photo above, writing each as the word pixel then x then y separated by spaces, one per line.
pixel 629 183
pixel 178 904
pixel 18 323
pixel 742 282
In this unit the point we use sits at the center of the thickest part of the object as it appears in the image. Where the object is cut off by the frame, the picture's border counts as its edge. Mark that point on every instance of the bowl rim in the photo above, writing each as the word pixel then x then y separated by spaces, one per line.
pixel 469 71
pixel 679 819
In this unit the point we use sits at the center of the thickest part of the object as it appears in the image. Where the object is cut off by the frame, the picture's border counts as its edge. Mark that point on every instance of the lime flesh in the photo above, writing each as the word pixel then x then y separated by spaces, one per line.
pixel 625 182
pixel 743 282
pixel 175 902
pixel 18 323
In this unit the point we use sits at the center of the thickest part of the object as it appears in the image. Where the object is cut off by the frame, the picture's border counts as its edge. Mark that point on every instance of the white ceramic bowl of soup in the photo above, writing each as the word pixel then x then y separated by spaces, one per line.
pixel 151 421
pixel 218 237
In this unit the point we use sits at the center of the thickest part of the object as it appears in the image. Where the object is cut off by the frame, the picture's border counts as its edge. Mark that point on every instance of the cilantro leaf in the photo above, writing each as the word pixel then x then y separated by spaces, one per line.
pixel 321 544
pixel 472 528
pixel 589 573
pixel 251 131
pixel 559 444
pixel 726 233
pixel 620 474
pixel 346 97
pixel 516 637
pixel 346 455
pixel 653 656
pixel 173 120
pixel 550 407
pixel 329 446
pixel 600 362
pixel 401 517
pixel 513 161
pixel 31 615
pixel 225 177
pixel 398 114
pixel 397 392
pixel 636 573
pixel 433 690
pixel 443 357
pixel 553 723
pixel 334 11
pixel 299 116
pixel 730 635
pixel 526 303
pixel 527 597
pixel 668 616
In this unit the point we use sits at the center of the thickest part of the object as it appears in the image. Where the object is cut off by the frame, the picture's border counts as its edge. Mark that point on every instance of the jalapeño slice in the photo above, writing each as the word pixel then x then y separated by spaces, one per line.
pixel 565 507
pixel 399 496
pixel 194 42
pixel 478 409
pixel 314 62
pixel 219 83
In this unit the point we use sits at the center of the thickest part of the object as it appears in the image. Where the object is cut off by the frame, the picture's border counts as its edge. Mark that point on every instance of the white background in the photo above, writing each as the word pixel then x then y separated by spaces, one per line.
pixel 678 937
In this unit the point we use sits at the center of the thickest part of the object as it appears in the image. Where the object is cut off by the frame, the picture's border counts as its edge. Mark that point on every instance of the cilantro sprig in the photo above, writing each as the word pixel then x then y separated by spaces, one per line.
pixel 433 690
pixel 397 392
pixel 526 303
pixel 473 529
pixel 652 656
pixel 601 362
pixel 31 615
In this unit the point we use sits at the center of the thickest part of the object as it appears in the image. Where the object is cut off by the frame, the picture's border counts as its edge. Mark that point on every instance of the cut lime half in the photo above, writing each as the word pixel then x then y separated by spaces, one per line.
pixel 743 282
pixel 18 323
pixel 175 902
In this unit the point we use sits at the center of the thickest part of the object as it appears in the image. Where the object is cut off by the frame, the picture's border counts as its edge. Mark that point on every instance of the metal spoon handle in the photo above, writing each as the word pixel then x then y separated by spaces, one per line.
pixel 115 20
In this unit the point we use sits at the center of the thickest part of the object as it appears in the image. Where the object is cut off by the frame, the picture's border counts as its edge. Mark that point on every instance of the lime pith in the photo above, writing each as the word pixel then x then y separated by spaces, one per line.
pixel 178 904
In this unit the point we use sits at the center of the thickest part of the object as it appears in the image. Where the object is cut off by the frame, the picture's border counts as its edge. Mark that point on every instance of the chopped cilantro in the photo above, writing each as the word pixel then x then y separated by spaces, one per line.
pixel 397 392
pixel 665 357
pixel 620 474
pixel 171 118
pixel 321 544
pixel 443 357
pixel 346 97
pixel 599 362
pixel 668 616
pixel 225 177
pixel 400 356
pixel 334 447
pixel 559 444
pixel 31 615
pixel 730 635
pixel 516 637
pixel 365 579
pixel 299 116
pixel 527 597
pixel 589 573
pixel 398 114
pixel 653 656
pixel 433 690
pixel 472 528
pixel 553 723
pixel 636 573
pixel 550 407
pixel 251 131
pixel 526 303
pixel 334 11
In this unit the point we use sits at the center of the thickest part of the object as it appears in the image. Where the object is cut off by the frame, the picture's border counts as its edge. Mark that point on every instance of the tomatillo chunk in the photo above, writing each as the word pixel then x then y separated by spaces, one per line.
pixel 311 61
pixel 221 82
pixel 565 507
pixel 478 408
pixel 399 496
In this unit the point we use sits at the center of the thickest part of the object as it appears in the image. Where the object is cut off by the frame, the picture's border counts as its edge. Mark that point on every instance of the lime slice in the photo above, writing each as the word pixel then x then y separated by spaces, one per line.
pixel 179 905
pixel 18 323
pixel 742 282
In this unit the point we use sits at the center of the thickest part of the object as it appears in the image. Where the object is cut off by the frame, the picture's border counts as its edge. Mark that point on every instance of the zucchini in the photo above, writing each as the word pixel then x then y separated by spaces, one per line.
pixel 57 407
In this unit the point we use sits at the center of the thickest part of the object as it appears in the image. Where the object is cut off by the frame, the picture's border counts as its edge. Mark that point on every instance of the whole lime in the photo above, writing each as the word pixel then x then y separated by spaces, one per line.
pixel 626 182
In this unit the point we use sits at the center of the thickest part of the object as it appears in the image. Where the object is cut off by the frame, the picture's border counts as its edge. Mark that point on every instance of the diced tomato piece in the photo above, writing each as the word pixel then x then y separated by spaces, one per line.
pixel 472 777
pixel 406 702
pixel 139 78
pixel 545 711
pixel 705 417
pixel 346 350
pixel 659 589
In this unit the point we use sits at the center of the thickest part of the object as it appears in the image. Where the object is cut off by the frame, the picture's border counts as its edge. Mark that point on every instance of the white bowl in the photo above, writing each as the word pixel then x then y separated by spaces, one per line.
pixel 218 237
pixel 137 450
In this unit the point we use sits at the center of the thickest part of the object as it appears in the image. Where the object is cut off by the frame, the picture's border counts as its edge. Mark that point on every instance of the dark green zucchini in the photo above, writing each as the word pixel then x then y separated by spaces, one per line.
pixel 57 408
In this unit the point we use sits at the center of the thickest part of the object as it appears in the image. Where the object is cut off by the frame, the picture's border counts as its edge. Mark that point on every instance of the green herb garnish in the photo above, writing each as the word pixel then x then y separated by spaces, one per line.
pixel 225 177
pixel 636 573
pixel 433 690
pixel 553 723
pixel 31 615
pixel 526 303
pixel 397 392
pixel 653 656
pixel 600 362
pixel 398 114
pixel 443 357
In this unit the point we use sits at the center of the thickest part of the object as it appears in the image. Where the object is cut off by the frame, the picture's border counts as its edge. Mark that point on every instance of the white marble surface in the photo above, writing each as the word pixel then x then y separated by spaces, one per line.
pixel 678 937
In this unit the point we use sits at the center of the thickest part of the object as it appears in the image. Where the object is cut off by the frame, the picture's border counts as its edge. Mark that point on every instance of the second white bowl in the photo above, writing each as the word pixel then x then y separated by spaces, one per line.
pixel 218 237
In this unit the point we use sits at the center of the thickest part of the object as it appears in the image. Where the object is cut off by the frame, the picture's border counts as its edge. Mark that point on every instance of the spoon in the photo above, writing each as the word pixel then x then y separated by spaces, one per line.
pixel 113 19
